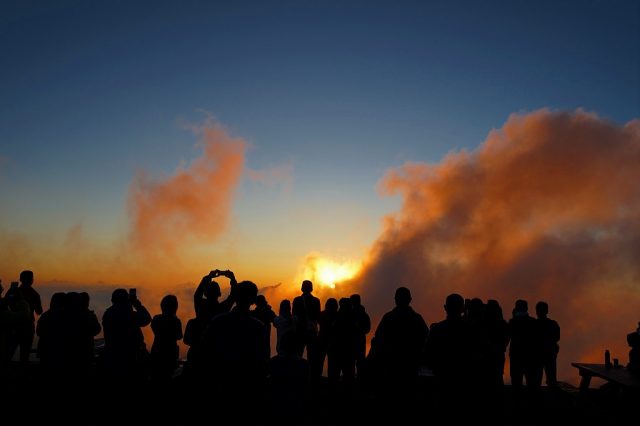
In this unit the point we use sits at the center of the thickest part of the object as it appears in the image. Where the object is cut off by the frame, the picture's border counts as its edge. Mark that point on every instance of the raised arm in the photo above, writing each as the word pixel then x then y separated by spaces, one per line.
pixel 142 315
pixel 227 303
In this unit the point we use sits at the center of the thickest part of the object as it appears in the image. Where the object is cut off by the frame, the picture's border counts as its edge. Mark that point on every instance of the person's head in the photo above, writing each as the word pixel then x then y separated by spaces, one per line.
pixel 261 301
pixel 493 310
pixel 212 291
pixel 246 293
pixel 345 305
pixel 285 307
pixel 73 302
pixel 521 306
pixel 86 299
pixel 120 296
pixel 475 309
pixel 633 339
pixel 307 286
pixel 542 309
pixel 26 278
pixel 454 305
pixel 355 300
pixel 331 305
pixel 169 304
pixel 402 296
pixel 57 301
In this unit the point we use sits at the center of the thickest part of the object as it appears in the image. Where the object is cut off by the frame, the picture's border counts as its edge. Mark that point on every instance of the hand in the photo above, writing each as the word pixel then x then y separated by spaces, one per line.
pixel 214 273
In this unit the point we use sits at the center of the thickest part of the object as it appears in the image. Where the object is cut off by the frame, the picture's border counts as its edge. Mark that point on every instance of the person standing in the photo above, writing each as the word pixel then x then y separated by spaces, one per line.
pixel 549 338
pixel 400 340
pixel 32 297
pixel 306 310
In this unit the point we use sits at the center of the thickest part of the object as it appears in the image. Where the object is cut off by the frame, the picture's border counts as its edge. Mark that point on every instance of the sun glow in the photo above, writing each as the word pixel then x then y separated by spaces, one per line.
pixel 327 272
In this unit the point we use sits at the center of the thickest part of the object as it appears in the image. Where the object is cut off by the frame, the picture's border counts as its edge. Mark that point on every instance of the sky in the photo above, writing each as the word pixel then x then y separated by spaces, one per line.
pixel 145 144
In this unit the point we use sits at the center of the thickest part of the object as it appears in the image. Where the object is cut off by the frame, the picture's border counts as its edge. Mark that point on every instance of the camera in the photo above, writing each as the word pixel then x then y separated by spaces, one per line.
pixel 133 293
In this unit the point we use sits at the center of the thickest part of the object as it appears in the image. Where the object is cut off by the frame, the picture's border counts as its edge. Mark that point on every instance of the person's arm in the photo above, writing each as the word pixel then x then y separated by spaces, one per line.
pixel 93 323
pixel 366 325
pixel 556 334
pixel 233 283
pixel 142 316
pixel 198 295
pixel 227 303
pixel 37 308
pixel 178 331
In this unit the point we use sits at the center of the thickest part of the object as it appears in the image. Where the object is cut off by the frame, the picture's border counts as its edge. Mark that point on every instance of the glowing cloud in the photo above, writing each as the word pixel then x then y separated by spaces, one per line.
pixel 194 204
pixel 547 208
pixel 326 272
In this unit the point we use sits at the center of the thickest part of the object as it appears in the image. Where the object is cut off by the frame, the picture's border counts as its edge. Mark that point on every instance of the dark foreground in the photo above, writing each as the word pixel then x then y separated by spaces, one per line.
pixel 29 399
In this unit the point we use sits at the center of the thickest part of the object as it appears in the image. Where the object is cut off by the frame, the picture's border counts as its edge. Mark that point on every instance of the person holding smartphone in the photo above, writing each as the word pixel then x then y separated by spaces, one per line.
pixel 125 352
pixel 205 298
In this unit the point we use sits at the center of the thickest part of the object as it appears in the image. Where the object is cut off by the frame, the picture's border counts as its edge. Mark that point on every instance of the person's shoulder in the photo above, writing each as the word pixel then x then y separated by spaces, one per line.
pixel 389 315
pixel 438 326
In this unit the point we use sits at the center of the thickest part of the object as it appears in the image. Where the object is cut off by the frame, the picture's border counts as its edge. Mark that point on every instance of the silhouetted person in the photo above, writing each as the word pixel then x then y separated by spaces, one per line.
pixel 284 323
pixel 93 327
pixel 549 337
pixel 4 349
pixel 265 314
pixel 205 298
pixel 167 331
pixel 306 309
pixel 17 320
pixel 400 339
pixel 125 353
pixel 478 346
pixel 50 330
pixel 288 376
pixel 447 349
pixel 524 349
pixel 35 307
pixel 342 345
pixel 498 339
pixel 80 327
pixel 206 306
pixel 363 327
pixel 633 340
pixel 325 324
pixel 235 349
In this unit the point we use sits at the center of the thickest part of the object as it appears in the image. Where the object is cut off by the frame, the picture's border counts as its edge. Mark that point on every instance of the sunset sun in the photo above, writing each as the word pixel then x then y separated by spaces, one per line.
pixel 328 272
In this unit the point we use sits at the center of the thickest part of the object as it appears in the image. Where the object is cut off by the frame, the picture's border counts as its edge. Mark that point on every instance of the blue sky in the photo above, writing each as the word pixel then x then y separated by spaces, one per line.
pixel 91 92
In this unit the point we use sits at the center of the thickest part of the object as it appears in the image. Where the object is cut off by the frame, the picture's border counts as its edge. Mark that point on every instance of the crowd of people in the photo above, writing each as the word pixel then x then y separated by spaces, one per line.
pixel 229 341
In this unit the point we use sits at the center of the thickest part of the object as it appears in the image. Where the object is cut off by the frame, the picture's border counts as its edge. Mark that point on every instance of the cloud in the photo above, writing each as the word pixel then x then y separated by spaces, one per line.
pixel 194 204
pixel 272 176
pixel 547 208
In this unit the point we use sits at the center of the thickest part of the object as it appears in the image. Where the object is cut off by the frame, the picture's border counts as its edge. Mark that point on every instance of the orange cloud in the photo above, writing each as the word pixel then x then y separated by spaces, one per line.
pixel 194 204
pixel 547 208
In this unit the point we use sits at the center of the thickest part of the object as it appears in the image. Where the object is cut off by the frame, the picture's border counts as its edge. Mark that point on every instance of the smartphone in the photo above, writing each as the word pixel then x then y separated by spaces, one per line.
pixel 15 284
pixel 132 293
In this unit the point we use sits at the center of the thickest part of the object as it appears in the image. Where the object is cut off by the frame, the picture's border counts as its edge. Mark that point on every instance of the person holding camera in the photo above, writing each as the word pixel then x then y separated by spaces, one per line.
pixel 125 353
pixel 206 306
pixel 205 298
